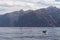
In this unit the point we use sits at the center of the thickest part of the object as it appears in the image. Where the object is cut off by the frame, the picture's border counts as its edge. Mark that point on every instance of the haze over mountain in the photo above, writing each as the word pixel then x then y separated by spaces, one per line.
pixel 45 17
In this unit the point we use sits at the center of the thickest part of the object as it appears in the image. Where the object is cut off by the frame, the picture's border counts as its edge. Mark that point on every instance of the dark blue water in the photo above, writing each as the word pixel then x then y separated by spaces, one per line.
pixel 29 33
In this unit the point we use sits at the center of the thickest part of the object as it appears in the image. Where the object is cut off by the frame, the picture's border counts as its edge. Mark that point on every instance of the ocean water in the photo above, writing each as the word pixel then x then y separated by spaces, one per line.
pixel 29 33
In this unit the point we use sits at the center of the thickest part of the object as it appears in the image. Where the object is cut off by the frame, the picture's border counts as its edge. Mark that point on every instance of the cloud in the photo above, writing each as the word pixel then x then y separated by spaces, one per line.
pixel 57 0
pixel 13 5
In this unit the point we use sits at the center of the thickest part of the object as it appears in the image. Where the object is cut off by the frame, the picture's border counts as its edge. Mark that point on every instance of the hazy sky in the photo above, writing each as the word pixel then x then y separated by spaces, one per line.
pixel 13 5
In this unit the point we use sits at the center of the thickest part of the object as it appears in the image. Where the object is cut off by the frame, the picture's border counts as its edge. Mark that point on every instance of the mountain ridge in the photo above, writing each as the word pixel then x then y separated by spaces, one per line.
pixel 45 17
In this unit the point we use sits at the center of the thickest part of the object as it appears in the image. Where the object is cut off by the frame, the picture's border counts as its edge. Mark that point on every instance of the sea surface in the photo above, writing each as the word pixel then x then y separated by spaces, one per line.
pixel 29 33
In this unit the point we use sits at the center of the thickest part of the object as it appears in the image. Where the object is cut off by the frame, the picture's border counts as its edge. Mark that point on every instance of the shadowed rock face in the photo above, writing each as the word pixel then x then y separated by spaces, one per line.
pixel 49 17
pixel 46 17
pixel 4 21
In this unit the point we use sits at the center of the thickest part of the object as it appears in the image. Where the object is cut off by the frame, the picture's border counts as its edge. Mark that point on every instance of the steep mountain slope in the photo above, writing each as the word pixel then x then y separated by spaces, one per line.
pixel 46 17
pixel 13 16
pixel 4 21
pixel 8 19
